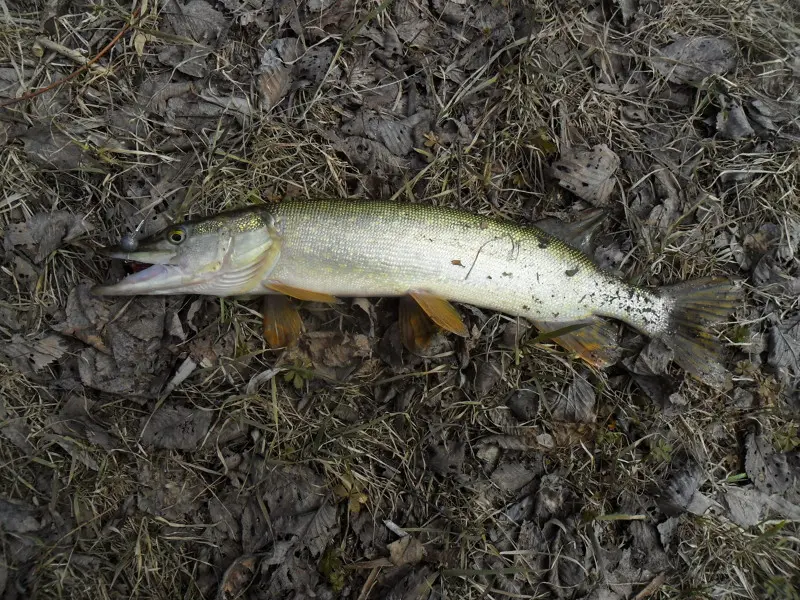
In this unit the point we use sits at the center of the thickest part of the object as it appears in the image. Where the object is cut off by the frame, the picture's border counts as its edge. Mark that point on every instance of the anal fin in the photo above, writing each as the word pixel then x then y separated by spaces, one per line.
pixel 282 322
pixel 416 327
pixel 596 341
pixel 441 312
pixel 301 294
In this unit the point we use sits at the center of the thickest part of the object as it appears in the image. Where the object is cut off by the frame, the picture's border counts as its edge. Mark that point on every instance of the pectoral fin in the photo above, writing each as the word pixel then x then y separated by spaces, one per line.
pixel 301 294
pixel 595 341
pixel 282 322
pixel 441 312
pixel 416 328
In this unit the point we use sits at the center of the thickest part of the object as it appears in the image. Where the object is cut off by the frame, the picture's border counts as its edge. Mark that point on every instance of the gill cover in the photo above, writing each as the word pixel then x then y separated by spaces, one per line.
pixel 228 254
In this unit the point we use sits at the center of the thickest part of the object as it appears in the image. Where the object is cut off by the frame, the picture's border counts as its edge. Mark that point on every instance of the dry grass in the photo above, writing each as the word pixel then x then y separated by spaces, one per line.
pixel 524 103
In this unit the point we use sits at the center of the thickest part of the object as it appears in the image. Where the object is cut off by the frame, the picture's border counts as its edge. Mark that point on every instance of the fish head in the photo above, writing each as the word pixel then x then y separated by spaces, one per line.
pixel 227 254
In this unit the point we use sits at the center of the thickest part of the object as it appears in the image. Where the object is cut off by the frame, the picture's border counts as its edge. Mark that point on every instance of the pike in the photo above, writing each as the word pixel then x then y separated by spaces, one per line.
pixel 328 249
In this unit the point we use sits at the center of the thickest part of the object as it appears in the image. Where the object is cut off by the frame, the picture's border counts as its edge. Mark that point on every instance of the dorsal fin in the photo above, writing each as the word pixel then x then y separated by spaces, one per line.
pixel 580 233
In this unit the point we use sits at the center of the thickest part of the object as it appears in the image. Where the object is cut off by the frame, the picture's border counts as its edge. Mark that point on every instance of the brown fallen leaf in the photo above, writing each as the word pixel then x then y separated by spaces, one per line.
pixel 176 428
pixel 576 404
pixel 237 578
pixel 33 355
pixel 15 517
pixel 50 148
pixel 692 59
pixel 511 477
pixel 333 355
pixel 44 233
pixel 588 174
pixel 84 317
pixel 407 550
pixel 78 419
pixel 166 490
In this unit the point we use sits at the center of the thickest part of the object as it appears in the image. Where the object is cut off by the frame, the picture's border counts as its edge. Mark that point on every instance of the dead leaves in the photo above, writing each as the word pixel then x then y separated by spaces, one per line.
pixel 299 508
pixel 408 550
pixel 125 354
pixel 44 233
pixel 33 355
pixel 334 356
pixel 784 346
pixel 576 404
pixel 589 174
pixel 396 136
pixel 51 148
pixel 692 59
pixel 15 517
pixel 176 428
pixel 775 479
pixel 202 27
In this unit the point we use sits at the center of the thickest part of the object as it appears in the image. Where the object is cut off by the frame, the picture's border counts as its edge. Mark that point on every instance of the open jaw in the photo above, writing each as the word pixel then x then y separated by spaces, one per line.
pixel 155 279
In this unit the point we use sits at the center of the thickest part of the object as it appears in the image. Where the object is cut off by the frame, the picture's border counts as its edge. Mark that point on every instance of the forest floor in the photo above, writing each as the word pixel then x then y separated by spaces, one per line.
pixel 154 447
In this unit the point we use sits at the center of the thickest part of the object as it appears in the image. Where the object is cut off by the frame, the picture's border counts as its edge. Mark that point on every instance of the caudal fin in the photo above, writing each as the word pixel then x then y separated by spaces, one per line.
pixel 698 306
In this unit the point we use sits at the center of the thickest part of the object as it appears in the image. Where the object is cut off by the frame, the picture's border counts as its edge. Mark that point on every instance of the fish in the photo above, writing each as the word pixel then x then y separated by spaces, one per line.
pixel 327 249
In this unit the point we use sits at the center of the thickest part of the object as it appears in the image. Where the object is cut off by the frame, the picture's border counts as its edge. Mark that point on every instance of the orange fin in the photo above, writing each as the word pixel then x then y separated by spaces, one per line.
pixel 282 323
pixel 416 328
pixel 596 341
pixel 441 312
pixel 301 294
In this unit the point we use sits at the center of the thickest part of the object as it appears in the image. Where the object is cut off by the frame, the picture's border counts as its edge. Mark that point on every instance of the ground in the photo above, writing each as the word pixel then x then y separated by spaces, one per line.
pixel 156 448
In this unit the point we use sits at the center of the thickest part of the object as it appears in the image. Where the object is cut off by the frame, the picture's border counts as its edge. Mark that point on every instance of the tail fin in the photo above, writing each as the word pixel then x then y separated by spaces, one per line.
pixel 697 306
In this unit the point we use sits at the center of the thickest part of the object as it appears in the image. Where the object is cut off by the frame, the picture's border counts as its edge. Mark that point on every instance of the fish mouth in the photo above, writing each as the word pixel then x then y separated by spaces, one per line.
pixel 158 278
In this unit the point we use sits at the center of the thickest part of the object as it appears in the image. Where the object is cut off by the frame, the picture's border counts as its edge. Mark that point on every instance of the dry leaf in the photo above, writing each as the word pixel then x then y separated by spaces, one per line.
pixel 732 122
pixel 84 317
pixel 17 518
pixel 196 20
pixel 334 355
pixel 44 233
pixel 416 585
pixel 446 459
pixel 487 376
pixel 314 530
pixel 769 471
pixel 745 506
pixel 588 174
pixel 33 355
pixel 407 550
pixel 653 360
pixel 511 477
pixel 692 59
pixel 577 403
pixel 237 578
pixel 298 507
pixel 176 428
pixel 681 492
pixel 51 148
pixel 523 404
pixel 77 419
pixel 395 136
pixel 784 345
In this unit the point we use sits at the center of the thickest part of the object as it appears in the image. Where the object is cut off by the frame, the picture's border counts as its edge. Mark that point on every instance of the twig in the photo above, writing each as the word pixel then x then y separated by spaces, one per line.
pixel 71 54
pixel 74 74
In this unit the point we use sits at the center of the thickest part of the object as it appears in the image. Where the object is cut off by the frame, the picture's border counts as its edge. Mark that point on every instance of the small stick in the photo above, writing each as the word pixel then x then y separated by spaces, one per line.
pixel 652 587
pixel 71 54
pixel 74 74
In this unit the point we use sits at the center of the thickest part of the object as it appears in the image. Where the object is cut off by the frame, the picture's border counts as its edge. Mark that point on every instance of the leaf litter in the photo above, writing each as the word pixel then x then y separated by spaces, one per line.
pixel 166 423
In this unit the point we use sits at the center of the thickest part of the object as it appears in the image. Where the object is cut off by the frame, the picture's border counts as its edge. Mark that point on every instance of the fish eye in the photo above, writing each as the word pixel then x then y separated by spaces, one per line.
pixel 176 236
